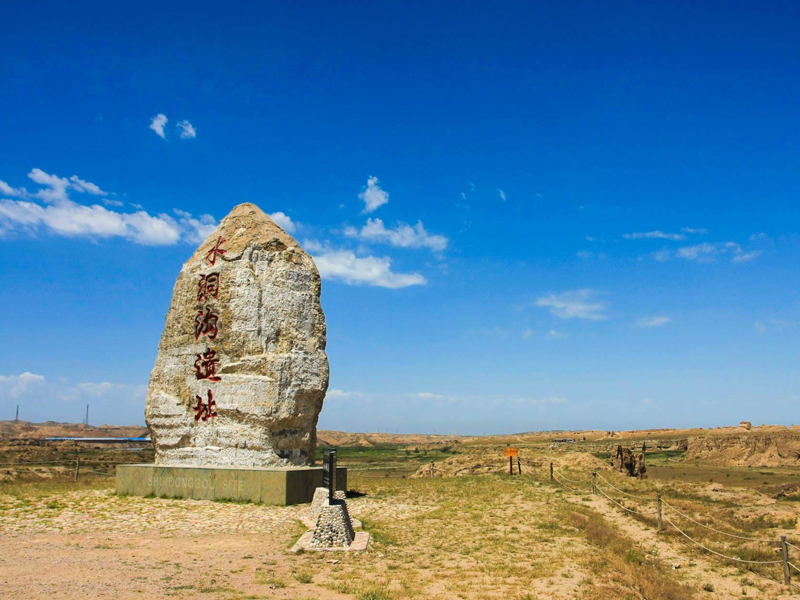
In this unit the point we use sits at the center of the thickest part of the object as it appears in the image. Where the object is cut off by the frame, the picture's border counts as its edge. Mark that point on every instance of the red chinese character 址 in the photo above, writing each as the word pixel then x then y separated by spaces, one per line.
pixel 208 287
pixel 203 411
pixel 205 323
pixel 206 365
pixel 216 250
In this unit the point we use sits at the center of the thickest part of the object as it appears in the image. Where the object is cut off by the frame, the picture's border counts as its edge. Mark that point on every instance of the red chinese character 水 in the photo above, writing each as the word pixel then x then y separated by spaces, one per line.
pixel 204 410
pixel 208 287
pixel 205 323
pixel 206 365
pixel 216 250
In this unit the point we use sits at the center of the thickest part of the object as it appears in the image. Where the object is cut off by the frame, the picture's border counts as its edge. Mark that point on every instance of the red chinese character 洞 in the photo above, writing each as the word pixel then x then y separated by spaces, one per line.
pixel 204 410
pixel 216 250
pixel 205 323
pixel 206 365
pixel 208 287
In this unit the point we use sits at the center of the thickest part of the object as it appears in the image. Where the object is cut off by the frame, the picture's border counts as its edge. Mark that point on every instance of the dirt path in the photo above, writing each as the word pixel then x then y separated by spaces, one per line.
pixel 727 580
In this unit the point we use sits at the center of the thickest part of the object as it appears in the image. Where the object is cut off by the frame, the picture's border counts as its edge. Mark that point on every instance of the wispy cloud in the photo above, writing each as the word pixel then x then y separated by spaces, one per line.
pixel 654 235
pixel 502 195
pixel 373 196
pixel 284 221
pixel 429 396
pixel 574 304
pixel 401 236
pixel 187 131
pixel 746 256
pixel 657 321
pixel 694 230
pixel 158 123
pixel 345 266
pixel 62 216
pixel 334 393
pixel 15 386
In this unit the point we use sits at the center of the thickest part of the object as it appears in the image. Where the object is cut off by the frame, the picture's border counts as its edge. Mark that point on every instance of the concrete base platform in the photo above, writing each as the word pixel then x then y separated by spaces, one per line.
pixel 262 485
pixel 359 544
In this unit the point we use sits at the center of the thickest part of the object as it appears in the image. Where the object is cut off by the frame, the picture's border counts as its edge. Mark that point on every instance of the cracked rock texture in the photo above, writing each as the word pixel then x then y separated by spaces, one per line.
pixel 269 350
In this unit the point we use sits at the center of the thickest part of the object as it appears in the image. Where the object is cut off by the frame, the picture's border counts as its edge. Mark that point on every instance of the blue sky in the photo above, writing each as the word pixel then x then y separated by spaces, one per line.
pixel 527 215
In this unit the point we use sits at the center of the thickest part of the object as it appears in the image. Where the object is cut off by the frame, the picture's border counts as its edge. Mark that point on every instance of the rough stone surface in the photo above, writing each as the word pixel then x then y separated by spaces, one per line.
pixel 625 461
pixel 321 500
pixel 334 528
pixel 269 344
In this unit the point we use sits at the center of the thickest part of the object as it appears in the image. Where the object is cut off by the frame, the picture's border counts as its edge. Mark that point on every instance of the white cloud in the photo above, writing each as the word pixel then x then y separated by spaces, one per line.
pixel 527 333
pixel 654 235
pixel 760 328
pixel 188 132
pixel 746 256
pixel 334 393
pixel 502 195
pixel 7 190
pixel 195 229
pixel 373 196
pixel 401 236
pixel 694 230
pixel 158 123
pixel 555 335
pixel 284 221
pixel 371 270
pixel 549 400
pixel 14 386
pixel 117 203
pixel 64 217
pixel 657 321
pixel 756 236
pixel 313 246
pixel 583 254
pixel 88 187
pixel 575 304
pixel 697 251
pixel 430 396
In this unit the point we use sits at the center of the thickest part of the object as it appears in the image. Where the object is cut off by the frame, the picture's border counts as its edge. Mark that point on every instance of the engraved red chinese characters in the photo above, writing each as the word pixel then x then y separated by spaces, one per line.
pixel 215 251
pixel 206 365
pixel 208 287
pixel 204 410
pixel 205 323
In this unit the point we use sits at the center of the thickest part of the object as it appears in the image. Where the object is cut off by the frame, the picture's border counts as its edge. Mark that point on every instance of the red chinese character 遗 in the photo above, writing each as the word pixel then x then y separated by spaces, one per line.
pixel 206 365
pixel 216 250
pixel 205 323
pixel 203 411
pixel 208 287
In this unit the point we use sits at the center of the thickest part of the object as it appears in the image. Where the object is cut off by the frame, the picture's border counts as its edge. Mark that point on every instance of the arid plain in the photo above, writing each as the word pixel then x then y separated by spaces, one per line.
pixel 446 521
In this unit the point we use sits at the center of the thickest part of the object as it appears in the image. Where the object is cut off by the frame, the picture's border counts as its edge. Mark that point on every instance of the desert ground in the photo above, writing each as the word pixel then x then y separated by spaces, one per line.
pixel 462 529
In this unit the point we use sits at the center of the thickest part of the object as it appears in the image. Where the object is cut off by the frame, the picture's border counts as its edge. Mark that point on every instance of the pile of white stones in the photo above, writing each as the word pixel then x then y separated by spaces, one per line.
pixel 334 527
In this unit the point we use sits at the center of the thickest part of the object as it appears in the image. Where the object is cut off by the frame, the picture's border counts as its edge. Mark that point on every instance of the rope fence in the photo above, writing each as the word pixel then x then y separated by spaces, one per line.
pixel 557 475
pixel 707 549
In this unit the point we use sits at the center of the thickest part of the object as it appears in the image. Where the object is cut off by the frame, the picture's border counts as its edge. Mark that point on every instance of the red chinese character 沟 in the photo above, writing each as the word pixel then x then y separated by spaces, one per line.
pixel 204 410
pixel 216 250
pixel 208 287
pixel 205 323
pixel 206 365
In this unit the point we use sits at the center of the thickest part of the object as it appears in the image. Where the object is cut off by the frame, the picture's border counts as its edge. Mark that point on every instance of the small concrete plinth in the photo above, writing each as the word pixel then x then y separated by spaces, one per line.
pixel 280 486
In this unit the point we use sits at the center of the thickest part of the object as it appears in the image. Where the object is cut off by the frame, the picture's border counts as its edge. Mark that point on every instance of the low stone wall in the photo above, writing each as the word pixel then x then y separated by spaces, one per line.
pixel 281 486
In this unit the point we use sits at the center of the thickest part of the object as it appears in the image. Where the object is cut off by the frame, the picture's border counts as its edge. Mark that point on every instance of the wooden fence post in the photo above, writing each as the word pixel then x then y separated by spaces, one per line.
pixel 594 483
pixel 510 465
pixel 551 471
pixel 432 469
pixel 660 514
pixel 787 575
pixel 519 466
pixel 77 468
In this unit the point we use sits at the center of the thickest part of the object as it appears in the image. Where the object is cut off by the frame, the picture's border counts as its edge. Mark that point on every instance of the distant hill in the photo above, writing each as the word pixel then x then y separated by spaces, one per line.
pixel 27 430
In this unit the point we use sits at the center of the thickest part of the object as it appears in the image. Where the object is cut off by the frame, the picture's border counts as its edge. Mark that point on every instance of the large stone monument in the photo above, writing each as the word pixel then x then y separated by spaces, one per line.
pixel 241 371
